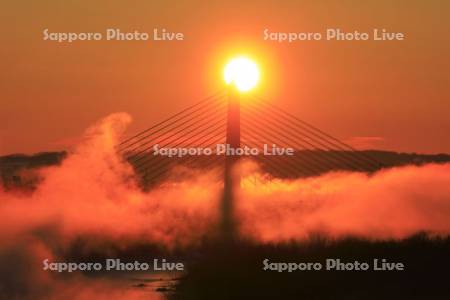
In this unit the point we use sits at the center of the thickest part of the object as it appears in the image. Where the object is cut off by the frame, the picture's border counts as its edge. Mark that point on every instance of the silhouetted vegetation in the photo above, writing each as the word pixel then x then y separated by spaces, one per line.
pixel 236 271
pixel 14 168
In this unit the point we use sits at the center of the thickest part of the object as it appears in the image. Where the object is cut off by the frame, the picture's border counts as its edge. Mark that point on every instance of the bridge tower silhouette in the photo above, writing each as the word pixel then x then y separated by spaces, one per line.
pixel 224 119
pixel 231 176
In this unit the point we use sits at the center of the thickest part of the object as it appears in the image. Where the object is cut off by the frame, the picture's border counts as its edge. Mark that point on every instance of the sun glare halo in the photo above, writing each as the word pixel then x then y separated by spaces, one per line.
pixel 242 72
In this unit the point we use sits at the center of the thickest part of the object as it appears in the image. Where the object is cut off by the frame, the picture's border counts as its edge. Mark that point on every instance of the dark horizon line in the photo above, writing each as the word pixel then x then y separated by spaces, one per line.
pixel 66 152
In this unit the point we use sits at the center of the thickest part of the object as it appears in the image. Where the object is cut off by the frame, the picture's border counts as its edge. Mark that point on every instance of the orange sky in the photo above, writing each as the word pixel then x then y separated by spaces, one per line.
pixel 386 95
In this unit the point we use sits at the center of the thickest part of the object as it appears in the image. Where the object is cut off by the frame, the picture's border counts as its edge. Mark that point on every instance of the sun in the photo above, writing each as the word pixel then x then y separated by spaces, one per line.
pixel 242 72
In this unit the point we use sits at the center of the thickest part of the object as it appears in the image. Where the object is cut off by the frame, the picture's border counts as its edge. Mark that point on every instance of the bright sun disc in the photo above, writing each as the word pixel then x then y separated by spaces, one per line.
pixel 243 73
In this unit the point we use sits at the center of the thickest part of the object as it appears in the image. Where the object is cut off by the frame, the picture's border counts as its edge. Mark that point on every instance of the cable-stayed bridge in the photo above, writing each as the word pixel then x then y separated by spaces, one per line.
pixel 259 125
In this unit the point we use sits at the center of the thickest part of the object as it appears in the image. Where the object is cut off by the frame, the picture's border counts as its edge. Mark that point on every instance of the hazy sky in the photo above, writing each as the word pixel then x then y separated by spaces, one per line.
pixel 387 95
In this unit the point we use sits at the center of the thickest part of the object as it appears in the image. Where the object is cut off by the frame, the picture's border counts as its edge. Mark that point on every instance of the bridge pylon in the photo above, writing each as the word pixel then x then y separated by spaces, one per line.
pixel 231 173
